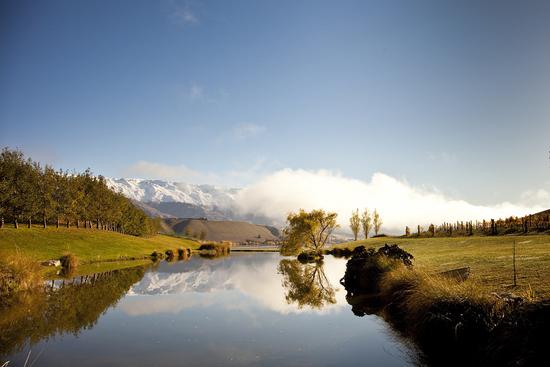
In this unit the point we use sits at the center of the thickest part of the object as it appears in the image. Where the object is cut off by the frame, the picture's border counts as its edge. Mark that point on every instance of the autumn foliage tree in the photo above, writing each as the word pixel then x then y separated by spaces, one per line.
pixel 376 221
pixel 366 223
pixel 308 231
pixel 355 223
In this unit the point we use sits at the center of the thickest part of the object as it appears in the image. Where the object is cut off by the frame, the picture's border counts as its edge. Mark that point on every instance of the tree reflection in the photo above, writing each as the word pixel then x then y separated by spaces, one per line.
pixel 306 284
pixel 34 316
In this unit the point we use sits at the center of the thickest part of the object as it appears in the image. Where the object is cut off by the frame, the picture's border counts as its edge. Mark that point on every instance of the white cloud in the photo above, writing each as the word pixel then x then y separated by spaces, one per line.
pixel 245 131
pixel 184 15
pixel 158 171
pixel 239 176
pixel 275 194
pixel 535 197
pixel 399 203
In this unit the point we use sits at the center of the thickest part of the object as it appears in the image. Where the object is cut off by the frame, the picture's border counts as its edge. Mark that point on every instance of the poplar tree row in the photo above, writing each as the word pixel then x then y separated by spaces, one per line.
pixel 31 193
pixel 366 222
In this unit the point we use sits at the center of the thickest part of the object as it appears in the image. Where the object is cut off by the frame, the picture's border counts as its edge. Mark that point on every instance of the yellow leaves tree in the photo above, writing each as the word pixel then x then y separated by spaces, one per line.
pixel 309 231
pixel 376 221
pixel 366 223
pixel 355 223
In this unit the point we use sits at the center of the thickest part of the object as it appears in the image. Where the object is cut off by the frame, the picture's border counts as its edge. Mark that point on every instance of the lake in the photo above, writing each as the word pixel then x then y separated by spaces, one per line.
pixel 243 309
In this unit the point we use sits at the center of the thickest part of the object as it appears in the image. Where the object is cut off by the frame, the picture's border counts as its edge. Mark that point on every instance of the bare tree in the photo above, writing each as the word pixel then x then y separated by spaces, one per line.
pixel 355 223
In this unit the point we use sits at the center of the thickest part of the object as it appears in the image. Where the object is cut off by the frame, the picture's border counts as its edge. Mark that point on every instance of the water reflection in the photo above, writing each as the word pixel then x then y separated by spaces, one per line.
pixel 258 277
pixel 306 284
pixel 63 307
pixel 257 309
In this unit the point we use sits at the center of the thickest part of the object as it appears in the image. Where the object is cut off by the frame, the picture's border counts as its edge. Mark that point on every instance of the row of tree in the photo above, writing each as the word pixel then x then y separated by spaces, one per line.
pixel 30 192
pixel 365 222
pixel 539 222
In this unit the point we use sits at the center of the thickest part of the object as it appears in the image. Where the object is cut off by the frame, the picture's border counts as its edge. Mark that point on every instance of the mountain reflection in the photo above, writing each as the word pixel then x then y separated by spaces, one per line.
pixel 251 278
pixel 71 308
pixel 306 284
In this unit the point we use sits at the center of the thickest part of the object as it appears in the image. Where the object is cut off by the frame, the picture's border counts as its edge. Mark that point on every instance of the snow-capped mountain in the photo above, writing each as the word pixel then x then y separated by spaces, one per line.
pixel 168 199
pixel 157 191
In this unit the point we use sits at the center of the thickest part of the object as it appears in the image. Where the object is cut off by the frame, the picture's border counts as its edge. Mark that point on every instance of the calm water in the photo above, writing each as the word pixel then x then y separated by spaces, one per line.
pixel 245 309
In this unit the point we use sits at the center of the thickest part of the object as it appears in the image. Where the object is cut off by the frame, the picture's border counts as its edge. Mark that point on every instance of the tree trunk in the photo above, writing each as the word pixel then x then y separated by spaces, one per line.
pixel 97 224
pixel 77 223
pixel 44 222
pixel 2 222
pixel 15 224
pixel 30 223
pixel 68 223
pixel 57 223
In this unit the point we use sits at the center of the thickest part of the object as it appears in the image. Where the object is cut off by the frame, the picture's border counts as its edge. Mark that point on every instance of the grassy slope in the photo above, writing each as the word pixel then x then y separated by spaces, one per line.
pixel 490 258
pixel 88 245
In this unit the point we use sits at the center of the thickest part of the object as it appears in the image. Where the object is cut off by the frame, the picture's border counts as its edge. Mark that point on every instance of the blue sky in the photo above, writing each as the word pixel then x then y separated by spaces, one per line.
pixel 452 95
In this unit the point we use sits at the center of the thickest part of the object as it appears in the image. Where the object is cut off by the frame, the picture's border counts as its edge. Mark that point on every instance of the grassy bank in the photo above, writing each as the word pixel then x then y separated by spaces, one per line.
pixel 86 244
pixel 453 323
pixel 490 259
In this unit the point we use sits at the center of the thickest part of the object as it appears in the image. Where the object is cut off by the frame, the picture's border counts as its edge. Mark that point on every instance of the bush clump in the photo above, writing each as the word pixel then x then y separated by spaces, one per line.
pixel 156 255
pixel 215 249
pixel 169 255
pixel 184 253
pixel 18 273
pixel 69 261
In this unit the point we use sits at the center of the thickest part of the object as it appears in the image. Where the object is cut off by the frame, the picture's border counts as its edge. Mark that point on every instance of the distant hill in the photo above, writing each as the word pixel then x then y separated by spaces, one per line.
pixel 233 231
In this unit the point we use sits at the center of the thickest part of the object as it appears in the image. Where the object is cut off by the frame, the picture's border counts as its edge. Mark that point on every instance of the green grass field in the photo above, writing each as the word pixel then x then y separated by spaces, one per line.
pixel 87 244
pixel 490 259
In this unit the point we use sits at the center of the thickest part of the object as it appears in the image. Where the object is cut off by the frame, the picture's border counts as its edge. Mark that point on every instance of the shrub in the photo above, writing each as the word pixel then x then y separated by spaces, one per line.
pixel 18 273
pixel 215 249
pixel 183 253
pixel 156 255
pixel 69 261
pixel 169 254
pixel 396 253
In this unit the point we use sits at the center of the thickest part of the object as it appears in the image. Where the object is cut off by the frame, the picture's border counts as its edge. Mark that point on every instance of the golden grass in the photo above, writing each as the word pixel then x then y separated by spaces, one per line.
pixel 423 289
pixel 490 260
pixel 18 273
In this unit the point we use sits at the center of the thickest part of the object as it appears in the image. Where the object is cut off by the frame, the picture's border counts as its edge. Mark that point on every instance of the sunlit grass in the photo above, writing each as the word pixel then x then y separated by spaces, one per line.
pixel 87 245
pixel 490 259
pixel 18 273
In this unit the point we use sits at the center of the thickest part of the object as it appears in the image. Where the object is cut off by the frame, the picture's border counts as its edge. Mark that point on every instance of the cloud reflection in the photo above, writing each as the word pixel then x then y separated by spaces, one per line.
pixel 240 282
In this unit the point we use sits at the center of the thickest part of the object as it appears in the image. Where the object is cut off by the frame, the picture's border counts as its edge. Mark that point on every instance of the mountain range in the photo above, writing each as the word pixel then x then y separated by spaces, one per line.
pixel 168 199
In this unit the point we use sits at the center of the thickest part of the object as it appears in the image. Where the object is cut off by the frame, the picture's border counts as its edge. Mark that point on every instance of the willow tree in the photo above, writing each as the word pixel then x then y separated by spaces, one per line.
pixel 355 223
pixel 309 231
